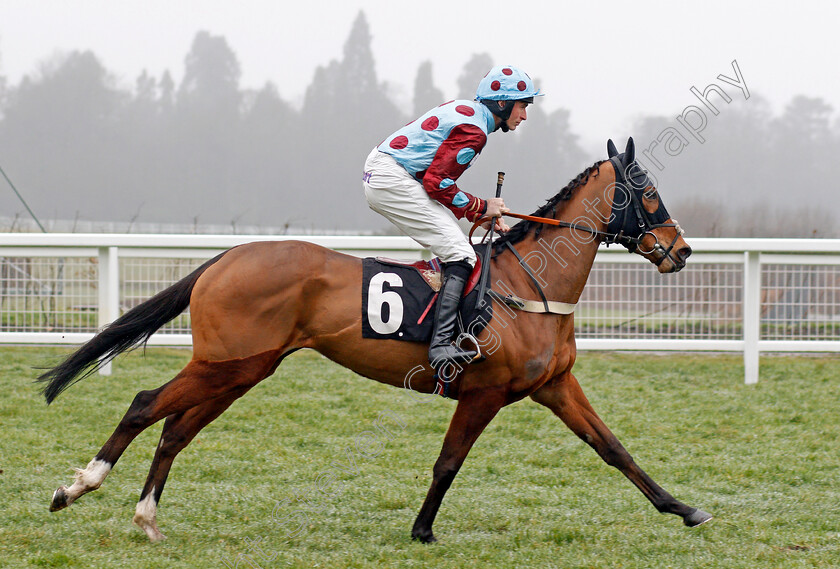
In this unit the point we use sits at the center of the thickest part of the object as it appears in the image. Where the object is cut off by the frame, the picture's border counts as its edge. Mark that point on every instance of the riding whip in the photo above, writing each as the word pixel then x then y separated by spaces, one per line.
pixel 485 262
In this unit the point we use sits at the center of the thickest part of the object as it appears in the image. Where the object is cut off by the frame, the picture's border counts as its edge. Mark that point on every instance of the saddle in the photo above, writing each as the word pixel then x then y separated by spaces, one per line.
pixel 432 271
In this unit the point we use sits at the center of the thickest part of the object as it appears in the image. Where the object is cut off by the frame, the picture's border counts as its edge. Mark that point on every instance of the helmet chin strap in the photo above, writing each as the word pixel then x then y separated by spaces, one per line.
pixel 501 109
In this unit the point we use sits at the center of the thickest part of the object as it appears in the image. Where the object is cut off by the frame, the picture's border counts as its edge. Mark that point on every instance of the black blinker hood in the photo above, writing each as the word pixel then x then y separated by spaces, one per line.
pixel 629 218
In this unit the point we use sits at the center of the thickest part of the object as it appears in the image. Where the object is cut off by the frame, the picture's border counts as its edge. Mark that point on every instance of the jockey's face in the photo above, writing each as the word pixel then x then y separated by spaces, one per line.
pixel 517 115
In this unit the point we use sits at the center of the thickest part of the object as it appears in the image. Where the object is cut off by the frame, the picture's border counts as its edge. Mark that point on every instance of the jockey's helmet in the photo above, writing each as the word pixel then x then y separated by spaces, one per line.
pixel 506 83
pixel 503 85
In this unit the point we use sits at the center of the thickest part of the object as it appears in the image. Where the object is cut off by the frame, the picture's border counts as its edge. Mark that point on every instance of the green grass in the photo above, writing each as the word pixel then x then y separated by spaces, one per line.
pixel 763 459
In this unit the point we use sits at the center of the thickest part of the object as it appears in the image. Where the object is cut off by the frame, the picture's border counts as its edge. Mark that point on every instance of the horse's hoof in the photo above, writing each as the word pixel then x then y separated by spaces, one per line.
pixel 423 536
pixel 59 499
pixel 150 529
pixel 697 518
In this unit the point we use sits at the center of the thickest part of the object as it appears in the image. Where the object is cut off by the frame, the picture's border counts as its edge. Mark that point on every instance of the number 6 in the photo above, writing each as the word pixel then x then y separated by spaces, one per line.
pixel 378 297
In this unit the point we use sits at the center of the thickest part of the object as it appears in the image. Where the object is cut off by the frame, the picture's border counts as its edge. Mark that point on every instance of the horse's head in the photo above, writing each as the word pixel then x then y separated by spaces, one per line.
pixel 639 220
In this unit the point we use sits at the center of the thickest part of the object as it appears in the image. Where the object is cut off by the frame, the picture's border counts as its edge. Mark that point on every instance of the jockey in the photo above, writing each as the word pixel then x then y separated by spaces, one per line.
pixel 410 178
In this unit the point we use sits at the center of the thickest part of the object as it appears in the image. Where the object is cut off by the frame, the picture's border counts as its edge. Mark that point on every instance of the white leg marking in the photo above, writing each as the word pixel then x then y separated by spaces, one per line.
pixel 88 479
pixel 145 516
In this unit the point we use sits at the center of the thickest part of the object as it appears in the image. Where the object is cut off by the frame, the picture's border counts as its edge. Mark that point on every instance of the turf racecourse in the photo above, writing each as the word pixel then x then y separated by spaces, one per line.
pixel 763 459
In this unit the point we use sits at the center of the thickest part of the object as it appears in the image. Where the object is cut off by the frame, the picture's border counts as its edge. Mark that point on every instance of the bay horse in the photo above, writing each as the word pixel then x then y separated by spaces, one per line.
pixel 255 304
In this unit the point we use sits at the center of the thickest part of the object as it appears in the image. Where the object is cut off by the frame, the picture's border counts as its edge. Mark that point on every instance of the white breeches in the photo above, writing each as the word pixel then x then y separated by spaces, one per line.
pixel 395 194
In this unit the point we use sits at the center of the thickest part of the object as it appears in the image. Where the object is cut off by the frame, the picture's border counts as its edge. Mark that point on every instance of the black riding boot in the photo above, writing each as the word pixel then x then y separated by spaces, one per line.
pixel 441 349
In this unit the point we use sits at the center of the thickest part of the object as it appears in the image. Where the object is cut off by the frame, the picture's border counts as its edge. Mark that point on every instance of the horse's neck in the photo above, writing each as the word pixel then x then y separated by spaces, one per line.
pixel 566 255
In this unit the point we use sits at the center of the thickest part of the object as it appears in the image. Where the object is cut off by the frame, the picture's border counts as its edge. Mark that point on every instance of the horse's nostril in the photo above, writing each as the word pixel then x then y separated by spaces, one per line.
pixel 684 253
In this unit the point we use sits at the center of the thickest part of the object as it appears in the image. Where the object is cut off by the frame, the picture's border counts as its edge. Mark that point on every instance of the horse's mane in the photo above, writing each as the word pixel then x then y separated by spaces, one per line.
pixel 519 231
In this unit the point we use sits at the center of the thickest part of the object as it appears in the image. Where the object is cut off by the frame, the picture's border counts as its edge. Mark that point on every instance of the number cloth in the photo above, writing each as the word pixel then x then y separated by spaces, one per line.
pixel 397 303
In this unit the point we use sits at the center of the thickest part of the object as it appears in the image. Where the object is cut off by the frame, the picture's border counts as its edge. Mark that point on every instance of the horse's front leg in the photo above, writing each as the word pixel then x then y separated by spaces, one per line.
pixel 474 412
pixel 564 396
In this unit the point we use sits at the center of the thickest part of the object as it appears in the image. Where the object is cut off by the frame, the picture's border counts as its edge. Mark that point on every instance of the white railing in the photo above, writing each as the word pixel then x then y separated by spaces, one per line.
pixel 739 295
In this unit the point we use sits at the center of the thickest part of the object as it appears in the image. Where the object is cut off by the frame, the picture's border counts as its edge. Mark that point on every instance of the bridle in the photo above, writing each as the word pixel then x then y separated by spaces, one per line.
pixel 633 182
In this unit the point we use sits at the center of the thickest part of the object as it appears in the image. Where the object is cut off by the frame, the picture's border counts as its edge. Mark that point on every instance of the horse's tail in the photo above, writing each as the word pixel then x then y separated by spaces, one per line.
pixel 136 325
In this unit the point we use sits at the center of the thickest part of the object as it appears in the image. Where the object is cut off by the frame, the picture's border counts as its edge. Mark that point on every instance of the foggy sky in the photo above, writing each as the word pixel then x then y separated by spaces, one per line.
pixel 712 108
pixel 608 63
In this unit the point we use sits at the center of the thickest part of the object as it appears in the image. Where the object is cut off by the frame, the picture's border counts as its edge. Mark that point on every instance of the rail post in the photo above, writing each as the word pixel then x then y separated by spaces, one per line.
pixel 109 291
pixel 751 314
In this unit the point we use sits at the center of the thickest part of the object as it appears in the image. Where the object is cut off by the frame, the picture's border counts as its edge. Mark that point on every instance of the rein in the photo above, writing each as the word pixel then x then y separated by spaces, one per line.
pixel 610 237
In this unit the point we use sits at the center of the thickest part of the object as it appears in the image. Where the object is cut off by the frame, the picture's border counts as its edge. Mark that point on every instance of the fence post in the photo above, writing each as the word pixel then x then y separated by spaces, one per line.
pixel 751 314
pixel 109 291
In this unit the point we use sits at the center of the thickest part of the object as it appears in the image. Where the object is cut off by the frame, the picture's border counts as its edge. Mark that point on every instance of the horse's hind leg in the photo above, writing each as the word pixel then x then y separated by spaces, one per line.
pixel 564 396
pixel 178 431
pixel 198 382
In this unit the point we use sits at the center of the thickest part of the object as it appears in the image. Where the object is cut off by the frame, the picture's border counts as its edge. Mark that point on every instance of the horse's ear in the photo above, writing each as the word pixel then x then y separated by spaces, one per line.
pixel 611 149
pixel 630 151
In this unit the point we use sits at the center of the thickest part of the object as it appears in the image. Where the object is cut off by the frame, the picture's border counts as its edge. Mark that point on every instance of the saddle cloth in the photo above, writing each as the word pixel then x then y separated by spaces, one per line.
pixel 399 298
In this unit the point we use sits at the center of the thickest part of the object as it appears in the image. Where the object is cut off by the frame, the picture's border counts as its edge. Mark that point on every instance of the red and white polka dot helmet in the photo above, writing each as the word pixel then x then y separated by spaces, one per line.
pixel 506 83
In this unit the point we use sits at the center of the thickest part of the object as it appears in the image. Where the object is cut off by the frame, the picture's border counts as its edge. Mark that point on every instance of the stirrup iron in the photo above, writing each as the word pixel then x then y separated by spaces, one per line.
pixel 464 337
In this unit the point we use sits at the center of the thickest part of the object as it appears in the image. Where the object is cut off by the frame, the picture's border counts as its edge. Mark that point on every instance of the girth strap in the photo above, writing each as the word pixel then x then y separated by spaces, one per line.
pixel 535 306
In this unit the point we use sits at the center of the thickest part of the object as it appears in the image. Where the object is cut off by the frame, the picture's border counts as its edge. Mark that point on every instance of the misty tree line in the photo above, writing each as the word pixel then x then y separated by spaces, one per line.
pixel 206 151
